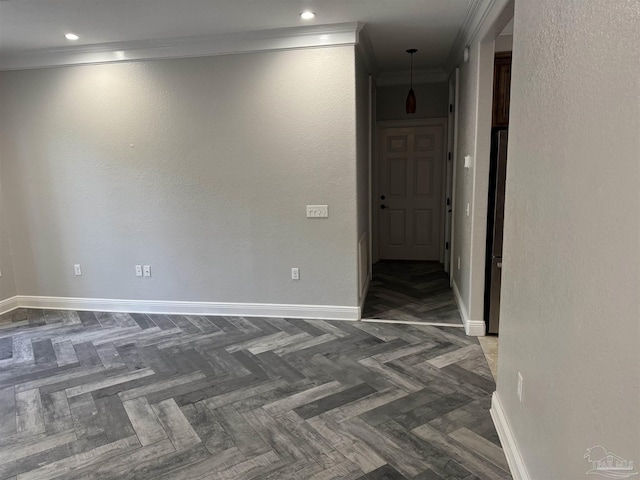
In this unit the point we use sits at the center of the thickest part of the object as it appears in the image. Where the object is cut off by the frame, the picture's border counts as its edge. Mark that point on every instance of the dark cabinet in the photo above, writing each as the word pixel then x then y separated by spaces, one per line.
pixel 501 89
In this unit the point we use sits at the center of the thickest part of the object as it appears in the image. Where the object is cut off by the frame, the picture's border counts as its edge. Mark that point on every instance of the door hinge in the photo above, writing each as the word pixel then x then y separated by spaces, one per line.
pixel 446 245
pixel 448 202
pixel 451 108
pixel 449 156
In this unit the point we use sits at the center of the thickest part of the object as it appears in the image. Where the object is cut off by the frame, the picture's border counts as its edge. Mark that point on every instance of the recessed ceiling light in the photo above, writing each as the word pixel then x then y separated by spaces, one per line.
pixel 307 15
pixel 71 36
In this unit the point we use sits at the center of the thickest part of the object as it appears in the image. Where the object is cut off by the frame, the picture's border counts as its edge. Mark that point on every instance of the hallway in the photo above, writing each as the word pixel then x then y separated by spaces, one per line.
pixel 411 292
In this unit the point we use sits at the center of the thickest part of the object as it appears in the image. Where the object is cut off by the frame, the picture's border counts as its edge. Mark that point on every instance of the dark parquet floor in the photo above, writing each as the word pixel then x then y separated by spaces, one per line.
pixel 87 395
pixel 411 292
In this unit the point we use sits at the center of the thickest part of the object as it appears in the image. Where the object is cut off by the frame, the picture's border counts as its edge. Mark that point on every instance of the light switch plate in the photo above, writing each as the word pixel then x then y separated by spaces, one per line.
pixel 467 161
pixel 520 386
pixel 317 211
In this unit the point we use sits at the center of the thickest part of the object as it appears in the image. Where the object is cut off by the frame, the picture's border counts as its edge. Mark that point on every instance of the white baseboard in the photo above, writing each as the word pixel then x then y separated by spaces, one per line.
pixel 473 328
pixel 8 304
pixel 509 445
pixel 318 312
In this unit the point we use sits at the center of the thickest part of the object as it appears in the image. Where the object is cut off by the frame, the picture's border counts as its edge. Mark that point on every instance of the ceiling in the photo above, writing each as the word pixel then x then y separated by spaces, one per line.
pixel 392 25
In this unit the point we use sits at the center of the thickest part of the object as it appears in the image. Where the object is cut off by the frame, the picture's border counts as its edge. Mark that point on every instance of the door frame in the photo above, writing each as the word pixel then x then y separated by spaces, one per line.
pixel 452 145
pixel 374 225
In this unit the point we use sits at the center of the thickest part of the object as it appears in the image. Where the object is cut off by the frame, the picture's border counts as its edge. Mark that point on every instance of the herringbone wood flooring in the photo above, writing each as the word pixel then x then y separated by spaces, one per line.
pixel 411 292
pixel 129 396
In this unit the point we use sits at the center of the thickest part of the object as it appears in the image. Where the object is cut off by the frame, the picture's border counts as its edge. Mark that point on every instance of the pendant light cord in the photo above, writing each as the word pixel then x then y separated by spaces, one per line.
pixel 411 97
pixel 411 73
pixel 411 51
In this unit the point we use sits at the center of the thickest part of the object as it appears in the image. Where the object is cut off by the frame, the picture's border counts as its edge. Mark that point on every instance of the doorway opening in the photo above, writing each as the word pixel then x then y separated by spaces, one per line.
pixel 497 177
pixel 411 206
pixel 499 91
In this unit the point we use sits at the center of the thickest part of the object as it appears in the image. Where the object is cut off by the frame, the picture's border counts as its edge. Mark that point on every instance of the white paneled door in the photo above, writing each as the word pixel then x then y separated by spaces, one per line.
pixel 410 200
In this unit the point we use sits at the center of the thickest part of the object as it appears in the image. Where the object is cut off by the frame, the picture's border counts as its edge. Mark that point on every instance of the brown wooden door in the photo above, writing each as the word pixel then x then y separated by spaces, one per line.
pixel 501 89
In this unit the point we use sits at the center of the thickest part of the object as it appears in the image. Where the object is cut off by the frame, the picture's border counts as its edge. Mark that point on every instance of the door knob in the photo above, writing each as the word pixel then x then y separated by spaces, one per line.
pixel 383 207
pixel 382 197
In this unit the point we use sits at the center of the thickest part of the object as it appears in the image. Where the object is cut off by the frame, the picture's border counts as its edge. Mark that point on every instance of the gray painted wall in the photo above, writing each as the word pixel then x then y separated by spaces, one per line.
pixel 7 281
pixel 198 167
pixel 362 135
pixel 432 101
pixel 471 184
pixel 570 316
pixel 466 230
pixel 504 43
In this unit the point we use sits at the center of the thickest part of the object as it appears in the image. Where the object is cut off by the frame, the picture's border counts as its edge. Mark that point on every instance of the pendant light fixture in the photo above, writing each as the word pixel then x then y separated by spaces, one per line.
pixel 411 98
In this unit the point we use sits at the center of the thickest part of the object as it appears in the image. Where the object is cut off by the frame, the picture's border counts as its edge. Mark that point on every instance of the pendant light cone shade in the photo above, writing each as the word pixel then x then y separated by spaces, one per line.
pixel 411 102
pixel 411 97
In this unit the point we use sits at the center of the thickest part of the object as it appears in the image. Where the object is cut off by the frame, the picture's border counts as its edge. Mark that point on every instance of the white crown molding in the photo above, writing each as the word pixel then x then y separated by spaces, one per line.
pixel 260 41
pixel 313 312
pixel 366 50
pixel 475 16
pixel 435 75
pixel 482 18
pixel 473 328
pixel 507 439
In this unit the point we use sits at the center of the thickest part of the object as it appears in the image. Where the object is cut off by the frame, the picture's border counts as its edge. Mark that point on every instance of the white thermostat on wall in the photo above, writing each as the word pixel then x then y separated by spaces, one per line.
pixel 317 211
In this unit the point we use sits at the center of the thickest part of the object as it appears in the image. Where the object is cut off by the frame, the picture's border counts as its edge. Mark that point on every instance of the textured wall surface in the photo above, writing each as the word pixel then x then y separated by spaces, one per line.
pixel 432 101
pixel 7 281
pixel 570 316
pixel 468 94
pixel 474 140
pixel 199 167
pixel 475 93
pixel 504 43
pixel 362 135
